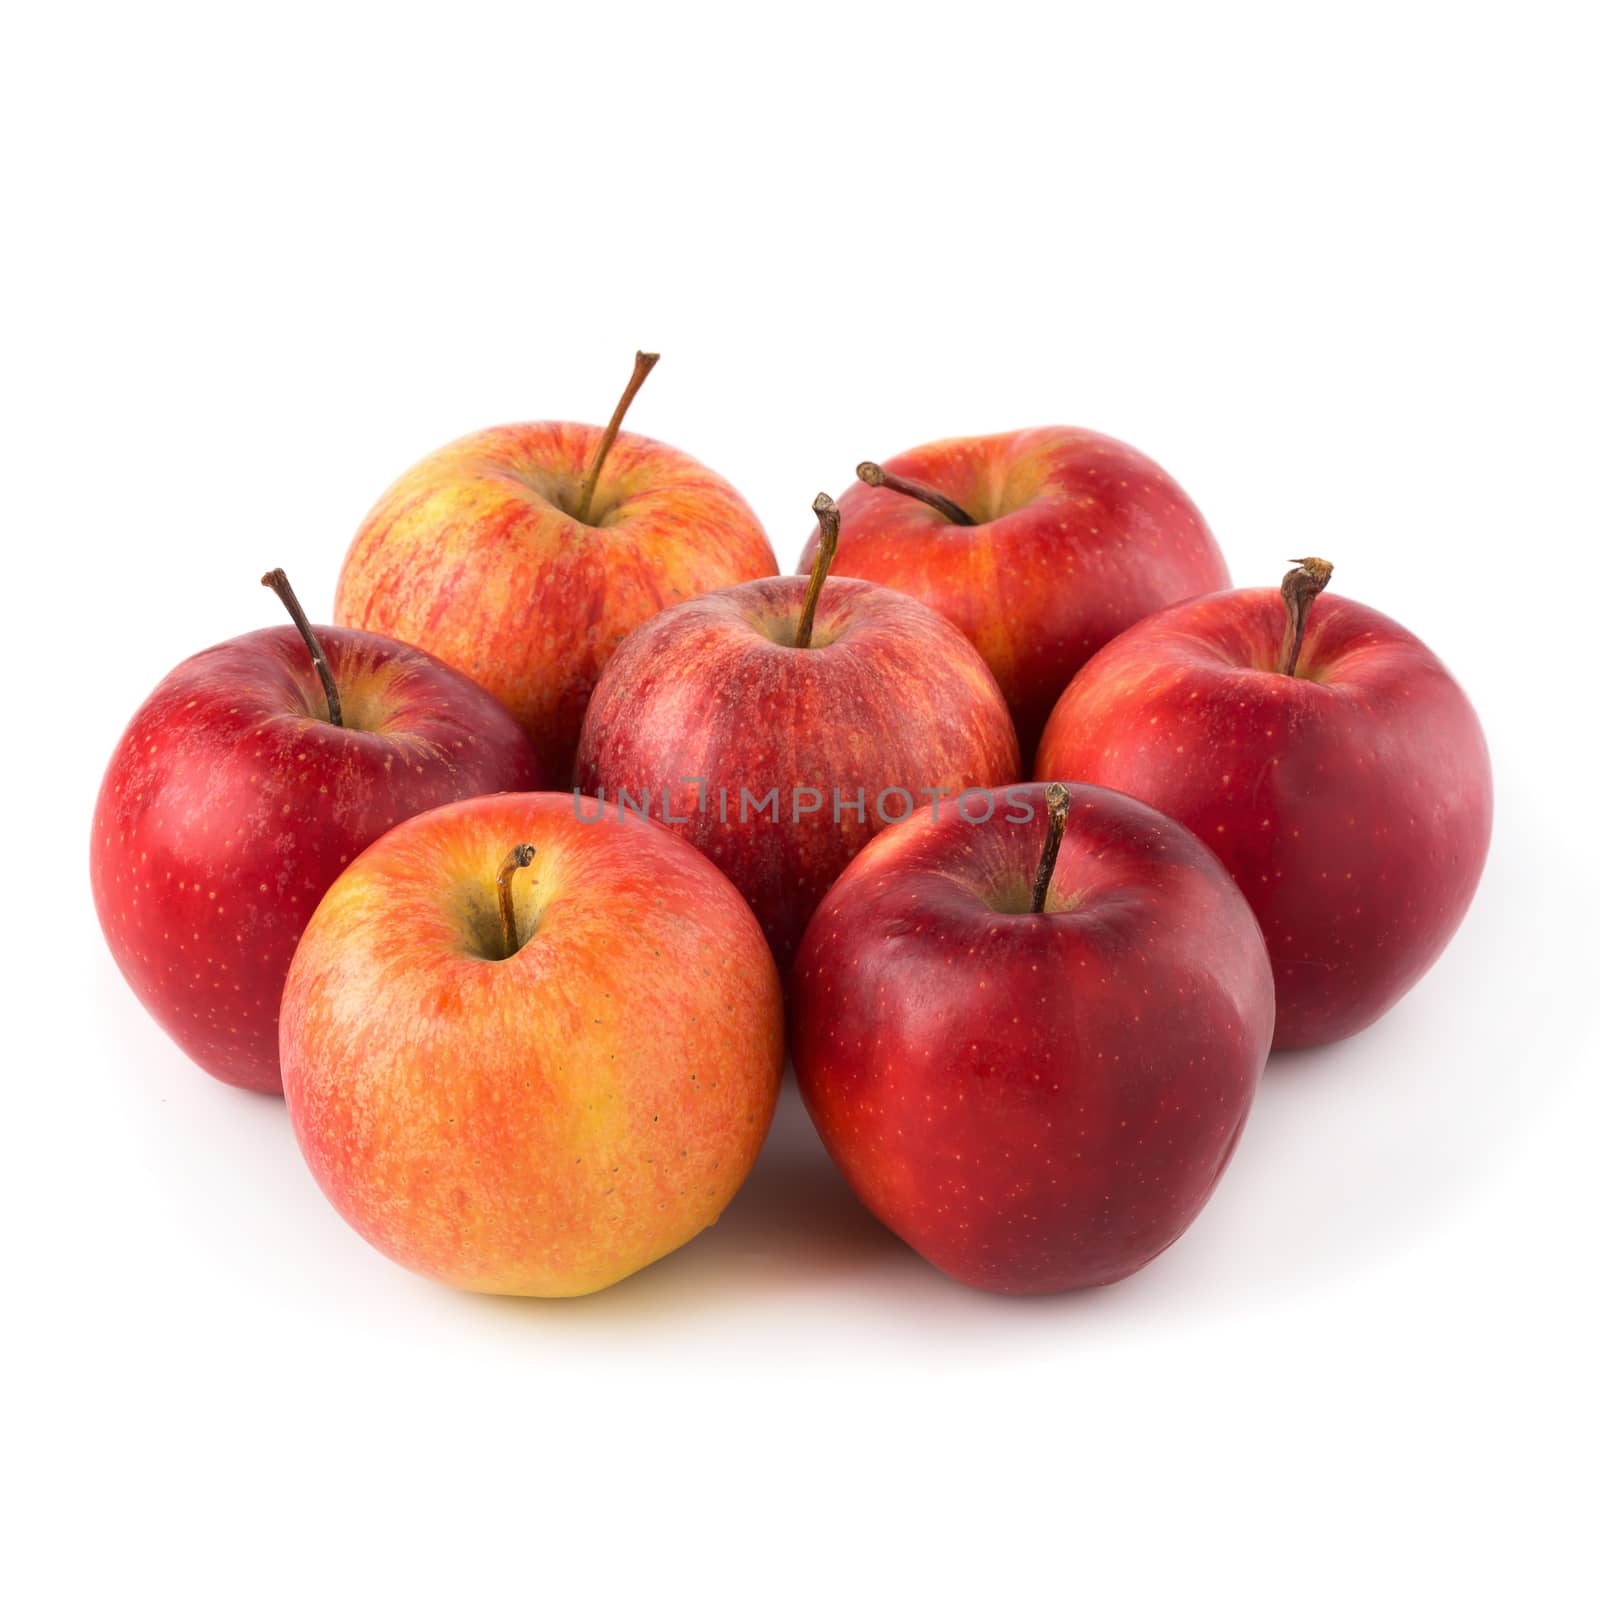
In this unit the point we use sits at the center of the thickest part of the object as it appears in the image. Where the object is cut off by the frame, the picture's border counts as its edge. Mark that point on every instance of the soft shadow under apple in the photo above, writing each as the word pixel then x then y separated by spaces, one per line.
pixel 794 1225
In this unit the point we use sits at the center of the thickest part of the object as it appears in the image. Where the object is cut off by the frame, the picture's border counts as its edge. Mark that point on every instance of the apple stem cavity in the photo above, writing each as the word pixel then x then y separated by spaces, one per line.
pixel 277 581
pixel 1304 581
pixel 520 856
pixel 874 476
pixel 642 363
pixel 828 518
pixel 1056 802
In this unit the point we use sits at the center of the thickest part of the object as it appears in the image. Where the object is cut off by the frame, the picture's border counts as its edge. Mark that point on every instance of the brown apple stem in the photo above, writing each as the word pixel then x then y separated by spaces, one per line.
pixel 871 474
pixel 521 855
pixel 278 583
pixel 1301 585
pixel 642 363
pixel 828 517
pixel 1056 801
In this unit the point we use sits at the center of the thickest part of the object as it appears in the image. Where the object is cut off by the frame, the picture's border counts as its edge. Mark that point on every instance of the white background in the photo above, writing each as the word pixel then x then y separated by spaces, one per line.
pixel 1336 270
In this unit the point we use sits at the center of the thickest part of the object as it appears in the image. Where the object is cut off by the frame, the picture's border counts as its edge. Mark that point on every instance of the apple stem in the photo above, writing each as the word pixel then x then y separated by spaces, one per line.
pixel 277 581
pixel 1056 801
pixel 642 363
pixel 521 855
pixel 874 476
pixel 828 517
pixel 1304 581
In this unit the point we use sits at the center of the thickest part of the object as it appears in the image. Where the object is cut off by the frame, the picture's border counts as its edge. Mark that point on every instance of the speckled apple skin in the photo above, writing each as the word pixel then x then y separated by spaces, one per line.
pixel 473 556
pixel 544 1124
pixel 1079 536
pixel 887 695
pixel 1352 803
pixel 1034 1102
pixel 231 803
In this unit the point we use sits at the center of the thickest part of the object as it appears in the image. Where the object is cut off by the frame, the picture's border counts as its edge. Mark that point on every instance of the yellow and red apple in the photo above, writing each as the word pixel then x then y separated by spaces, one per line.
pixel 523 555
pixel 528 1054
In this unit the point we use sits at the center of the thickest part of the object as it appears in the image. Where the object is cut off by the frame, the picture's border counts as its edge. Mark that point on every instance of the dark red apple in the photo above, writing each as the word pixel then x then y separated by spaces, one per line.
pixel 241 789
pixel 1328 758
pixel 1039 545
pixel 779 724
pixel 1030 1040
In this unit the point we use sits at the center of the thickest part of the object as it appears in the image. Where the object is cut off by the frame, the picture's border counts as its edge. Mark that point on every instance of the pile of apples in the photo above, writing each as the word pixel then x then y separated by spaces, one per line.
pixel 516 882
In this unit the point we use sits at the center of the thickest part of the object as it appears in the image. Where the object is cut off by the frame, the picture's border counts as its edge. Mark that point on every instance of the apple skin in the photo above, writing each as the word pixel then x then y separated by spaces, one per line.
pixel 1033 1101
pixel 544 1124
pixel 1352 802
pixel 1078 536
pixel 231 803
pixel 887 695
pixel 473 556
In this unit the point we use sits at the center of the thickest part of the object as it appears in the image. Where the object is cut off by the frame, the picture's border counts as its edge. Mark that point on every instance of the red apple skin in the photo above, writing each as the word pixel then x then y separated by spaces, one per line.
pixel 1078 536
pixel 231 803
pixel 474 555
pixel 1033 1101
pixel 544 1124
pixel 1352 802
pixel 888 695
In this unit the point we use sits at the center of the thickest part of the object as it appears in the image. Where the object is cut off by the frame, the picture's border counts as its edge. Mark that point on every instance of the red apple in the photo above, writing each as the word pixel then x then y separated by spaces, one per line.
pixel 237 795
pixel 524 555
pixel 1325 755
pixel 778 725
pixel 1039 545
pixel 1033 1067
pixel 526 1054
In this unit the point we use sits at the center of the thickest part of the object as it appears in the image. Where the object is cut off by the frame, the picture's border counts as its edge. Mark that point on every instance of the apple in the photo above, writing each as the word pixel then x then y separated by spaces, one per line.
pixel 1039 546
pixel 779 724
pixel 243 786
pixel 524 555
pixel 1030 1040
pixel 1327 757
pixel 528 1054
